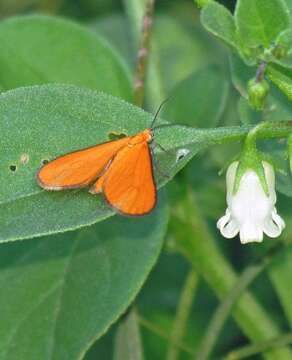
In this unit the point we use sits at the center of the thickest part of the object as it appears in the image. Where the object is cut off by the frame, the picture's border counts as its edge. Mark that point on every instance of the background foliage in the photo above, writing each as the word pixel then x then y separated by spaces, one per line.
pixel 73 291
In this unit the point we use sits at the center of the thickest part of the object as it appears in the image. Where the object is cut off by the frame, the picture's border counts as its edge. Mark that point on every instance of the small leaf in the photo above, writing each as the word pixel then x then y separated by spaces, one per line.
pixel 40 50
pixel 283 49
pixel 62 293
pixel 128 341
pixel 199 100
pixel 248 116
pixel 285 39
pixel 281 77
pixel 259 22
pixel 42 122
pixel 240 74
pixel 220 22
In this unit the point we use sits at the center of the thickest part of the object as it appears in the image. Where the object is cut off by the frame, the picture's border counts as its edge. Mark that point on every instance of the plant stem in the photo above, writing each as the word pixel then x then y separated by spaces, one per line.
pixel 250 350
pixel 260 74
pixel 196 243
pixel 153 328
pixel 143 54
pixel 155 88
pixel 182 314
pixel 224 309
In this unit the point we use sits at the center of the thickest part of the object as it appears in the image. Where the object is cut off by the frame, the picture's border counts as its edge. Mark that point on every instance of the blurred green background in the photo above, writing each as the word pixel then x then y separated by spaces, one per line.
pixel 186 53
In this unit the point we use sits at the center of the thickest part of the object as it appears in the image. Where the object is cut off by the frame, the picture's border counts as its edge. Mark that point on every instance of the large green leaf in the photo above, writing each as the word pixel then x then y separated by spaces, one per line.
pixel 200 99
pixel 182 47
pixel 59 294
pixel 220 22
pixel 39 50
pixel 260 21
pixel 42 122
pixel 115 28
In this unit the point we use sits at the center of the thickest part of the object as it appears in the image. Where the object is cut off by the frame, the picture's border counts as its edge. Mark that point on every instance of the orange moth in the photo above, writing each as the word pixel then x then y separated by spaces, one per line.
pixel 121 169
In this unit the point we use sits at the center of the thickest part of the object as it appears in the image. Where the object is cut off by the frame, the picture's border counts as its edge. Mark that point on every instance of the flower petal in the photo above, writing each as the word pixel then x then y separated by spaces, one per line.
pixel 274 226
pixel 223 220
pixel 250 232
pixel 227 226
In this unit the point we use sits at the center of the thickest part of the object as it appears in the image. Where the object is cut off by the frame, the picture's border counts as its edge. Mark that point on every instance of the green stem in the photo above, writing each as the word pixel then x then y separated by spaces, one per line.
pixel 197 244
pixel 156 330
pixel 182 314
pixel 250 350
pixel 224 309
pixel 135 10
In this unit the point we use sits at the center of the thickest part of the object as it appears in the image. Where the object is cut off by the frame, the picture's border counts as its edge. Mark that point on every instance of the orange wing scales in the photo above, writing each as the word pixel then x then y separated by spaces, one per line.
pixel 123 169
pixel 128 184
pixel 80 168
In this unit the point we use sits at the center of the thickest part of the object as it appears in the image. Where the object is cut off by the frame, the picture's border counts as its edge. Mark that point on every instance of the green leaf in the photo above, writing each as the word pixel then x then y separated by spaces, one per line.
pixel 278 106
pixel 240 74
pixel 185 49
pixel 62 293
pixel 290 151
pixel 259 22
pixel 115 28
pixel 281 77
pixel 285 39
pixel 43 122
pixel 247 115
pixel 289 5
pixel 280 274
pixel 128 341
pixel 199 100
pixel 220 22
pixel 40 49
pixel 283 49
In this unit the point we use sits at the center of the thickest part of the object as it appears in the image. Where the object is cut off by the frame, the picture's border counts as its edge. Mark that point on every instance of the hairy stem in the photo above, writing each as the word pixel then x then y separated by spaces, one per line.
pixel 143 54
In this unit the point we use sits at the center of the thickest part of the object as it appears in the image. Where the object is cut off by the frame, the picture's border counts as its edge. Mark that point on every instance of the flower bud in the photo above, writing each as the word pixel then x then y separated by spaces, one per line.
pixel 257 93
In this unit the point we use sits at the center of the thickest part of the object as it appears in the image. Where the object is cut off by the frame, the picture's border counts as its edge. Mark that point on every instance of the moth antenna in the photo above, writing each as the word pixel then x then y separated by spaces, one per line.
pixel 158 111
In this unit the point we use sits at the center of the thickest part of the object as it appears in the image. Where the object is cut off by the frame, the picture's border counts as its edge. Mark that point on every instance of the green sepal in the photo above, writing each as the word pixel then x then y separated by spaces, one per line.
pixel 251 159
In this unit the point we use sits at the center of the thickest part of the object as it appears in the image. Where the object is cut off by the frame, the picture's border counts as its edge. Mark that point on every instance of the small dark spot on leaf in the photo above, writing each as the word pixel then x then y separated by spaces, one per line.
pixel 44 161
pixel 113 135
pixel 13 168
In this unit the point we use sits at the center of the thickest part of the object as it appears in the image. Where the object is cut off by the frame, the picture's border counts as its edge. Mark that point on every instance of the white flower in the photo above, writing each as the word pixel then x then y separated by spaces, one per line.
pixel 250 212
